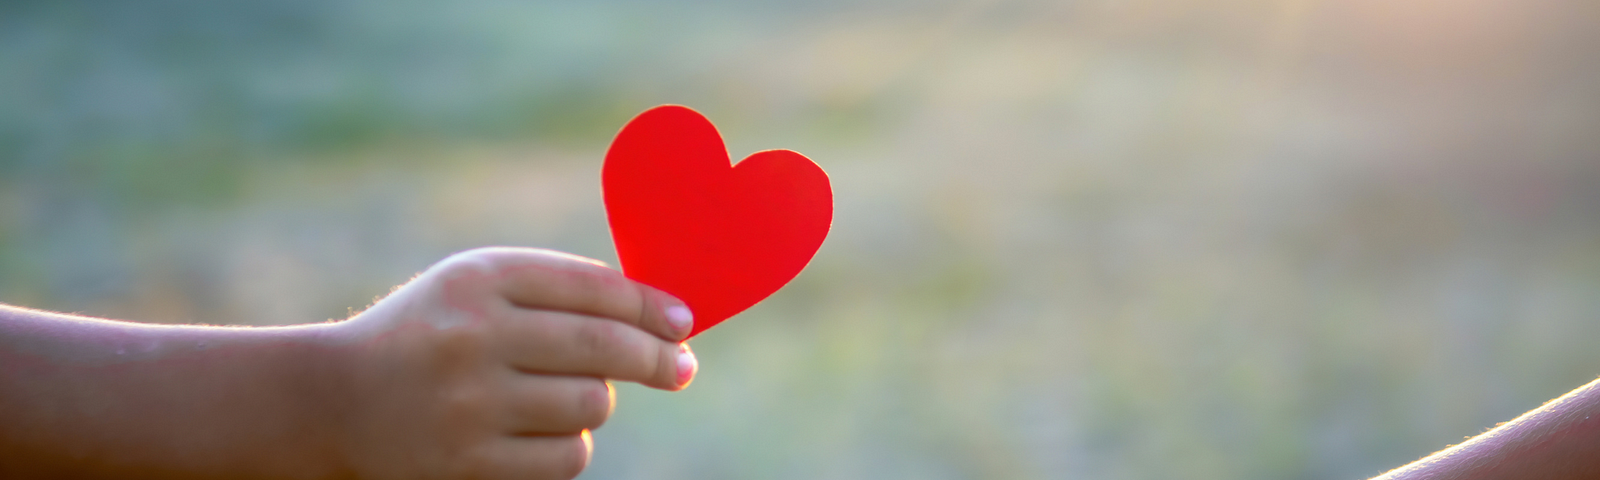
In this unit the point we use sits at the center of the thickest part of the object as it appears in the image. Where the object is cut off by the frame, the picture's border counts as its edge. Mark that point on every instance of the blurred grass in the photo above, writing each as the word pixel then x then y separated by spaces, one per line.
pixel 1144 239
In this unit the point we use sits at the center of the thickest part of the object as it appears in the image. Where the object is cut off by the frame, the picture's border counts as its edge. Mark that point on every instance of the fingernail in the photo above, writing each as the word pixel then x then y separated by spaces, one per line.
pixel 686 364
pixel 680 317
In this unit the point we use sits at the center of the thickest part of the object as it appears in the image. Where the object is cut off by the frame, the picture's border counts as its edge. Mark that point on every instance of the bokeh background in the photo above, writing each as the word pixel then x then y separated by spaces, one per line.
pixel 1135 239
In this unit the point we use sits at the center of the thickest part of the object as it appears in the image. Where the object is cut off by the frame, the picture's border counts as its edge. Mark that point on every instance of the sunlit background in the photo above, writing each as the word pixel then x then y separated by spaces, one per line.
pixel 1140 239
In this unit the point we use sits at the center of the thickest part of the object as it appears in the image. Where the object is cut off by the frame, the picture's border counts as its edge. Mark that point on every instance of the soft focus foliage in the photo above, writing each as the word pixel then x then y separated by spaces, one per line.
pixel 1133 239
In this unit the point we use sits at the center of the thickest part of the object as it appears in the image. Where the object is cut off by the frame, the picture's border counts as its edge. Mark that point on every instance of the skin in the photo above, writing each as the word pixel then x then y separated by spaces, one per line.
pixel 1558 441
pixel 491 364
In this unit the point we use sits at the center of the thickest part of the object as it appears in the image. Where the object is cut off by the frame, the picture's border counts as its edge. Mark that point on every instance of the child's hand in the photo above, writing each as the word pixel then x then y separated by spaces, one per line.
pixel 491 365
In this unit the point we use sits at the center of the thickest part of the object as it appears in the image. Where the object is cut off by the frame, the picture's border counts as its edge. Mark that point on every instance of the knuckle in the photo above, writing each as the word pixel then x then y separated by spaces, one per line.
pixel 477 260
pixel 665 368
pixel 463 277
pixel 460 347
pixel 592 288
pixel 465 404
pixel 493 260
pixel 600 339
pixel 454 357
pixel 595 403
pixel 642 301
pixel 574 458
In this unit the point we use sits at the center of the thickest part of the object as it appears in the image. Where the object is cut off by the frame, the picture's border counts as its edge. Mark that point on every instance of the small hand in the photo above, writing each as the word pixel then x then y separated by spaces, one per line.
pixel 493 364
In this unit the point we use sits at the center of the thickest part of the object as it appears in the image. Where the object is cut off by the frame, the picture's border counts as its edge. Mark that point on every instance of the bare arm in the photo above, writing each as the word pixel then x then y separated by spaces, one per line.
pixel 1560 440
pixel 92 397
pixel 492 364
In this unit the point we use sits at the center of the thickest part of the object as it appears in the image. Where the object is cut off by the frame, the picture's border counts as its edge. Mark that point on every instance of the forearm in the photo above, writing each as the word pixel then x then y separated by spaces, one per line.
pixel 1560 440
pixel 492 364
pixel 89 397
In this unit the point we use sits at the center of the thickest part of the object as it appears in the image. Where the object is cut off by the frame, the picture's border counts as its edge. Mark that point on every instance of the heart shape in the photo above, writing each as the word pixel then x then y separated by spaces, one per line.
pixel 720 237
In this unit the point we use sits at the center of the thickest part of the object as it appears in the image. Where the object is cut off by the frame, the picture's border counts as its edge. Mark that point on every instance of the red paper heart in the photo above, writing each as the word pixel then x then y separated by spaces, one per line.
pixel 721 237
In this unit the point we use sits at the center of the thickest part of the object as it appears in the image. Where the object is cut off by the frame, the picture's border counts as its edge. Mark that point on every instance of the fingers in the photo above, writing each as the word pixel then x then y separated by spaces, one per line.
pixel 571 344
pixel 548 280
pixel 555 405
pixel 535 457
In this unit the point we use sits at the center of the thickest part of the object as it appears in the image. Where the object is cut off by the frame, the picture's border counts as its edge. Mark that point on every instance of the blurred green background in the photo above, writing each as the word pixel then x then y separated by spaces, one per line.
pixel 1245 239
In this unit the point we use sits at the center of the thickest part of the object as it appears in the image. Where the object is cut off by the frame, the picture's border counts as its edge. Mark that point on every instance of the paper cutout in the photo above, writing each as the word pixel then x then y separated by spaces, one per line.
pixel 720 237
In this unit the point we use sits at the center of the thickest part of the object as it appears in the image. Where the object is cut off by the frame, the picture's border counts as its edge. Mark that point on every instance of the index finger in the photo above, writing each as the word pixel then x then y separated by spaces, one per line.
pixel 549 280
